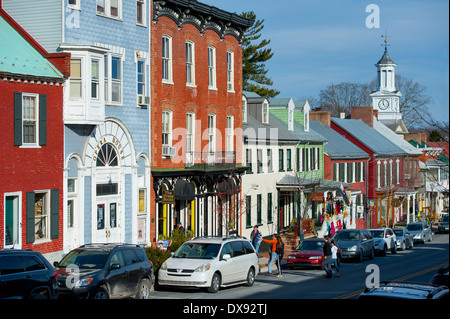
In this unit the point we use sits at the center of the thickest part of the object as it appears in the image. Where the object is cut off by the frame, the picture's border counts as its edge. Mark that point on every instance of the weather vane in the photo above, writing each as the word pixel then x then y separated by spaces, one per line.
pixel 385 36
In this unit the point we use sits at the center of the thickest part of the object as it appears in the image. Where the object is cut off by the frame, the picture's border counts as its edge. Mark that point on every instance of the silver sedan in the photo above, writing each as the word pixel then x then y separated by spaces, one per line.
pixel 404 239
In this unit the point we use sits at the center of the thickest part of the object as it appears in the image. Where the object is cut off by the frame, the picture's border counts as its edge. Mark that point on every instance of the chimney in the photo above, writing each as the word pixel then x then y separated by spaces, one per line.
pixel 321 116
pixel 364 113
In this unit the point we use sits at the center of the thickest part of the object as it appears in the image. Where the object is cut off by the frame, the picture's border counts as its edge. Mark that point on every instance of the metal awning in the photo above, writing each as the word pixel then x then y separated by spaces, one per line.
pixel 184 190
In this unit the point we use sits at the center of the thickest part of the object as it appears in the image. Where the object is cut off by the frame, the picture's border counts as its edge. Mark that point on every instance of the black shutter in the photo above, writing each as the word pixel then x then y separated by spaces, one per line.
pixel 42 119
pixel 30 229
pixel 17 118
pixel 54 214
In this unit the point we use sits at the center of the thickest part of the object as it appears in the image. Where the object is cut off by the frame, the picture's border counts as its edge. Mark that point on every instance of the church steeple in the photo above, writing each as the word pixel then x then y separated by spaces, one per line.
pixel 386 70
pixel 386 98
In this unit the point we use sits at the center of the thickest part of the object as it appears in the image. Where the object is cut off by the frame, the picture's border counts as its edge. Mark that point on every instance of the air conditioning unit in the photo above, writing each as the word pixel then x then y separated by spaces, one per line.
pixel 143 100
pixel 168 151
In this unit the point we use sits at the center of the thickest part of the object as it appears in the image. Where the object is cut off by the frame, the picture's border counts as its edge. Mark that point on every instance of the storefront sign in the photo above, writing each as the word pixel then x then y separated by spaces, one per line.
pixel 168 197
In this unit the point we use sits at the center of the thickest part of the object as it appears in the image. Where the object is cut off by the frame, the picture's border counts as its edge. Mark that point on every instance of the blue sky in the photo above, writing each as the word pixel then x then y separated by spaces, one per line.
pixel 319 42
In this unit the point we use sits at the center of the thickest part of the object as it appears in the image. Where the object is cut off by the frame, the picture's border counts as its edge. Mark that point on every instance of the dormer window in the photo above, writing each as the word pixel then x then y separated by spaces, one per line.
pixel 265 112
pixel 244 109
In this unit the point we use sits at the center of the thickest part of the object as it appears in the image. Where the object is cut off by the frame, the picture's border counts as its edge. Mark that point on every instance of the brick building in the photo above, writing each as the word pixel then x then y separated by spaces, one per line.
pixel 196 112
pixel 31 147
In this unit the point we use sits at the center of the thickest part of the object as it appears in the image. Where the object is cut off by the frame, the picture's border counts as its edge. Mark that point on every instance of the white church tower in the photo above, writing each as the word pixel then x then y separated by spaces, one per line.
pixel 386 99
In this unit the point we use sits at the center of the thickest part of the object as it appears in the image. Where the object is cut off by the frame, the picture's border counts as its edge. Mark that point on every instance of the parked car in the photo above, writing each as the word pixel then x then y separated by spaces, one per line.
pixel 441 278
pixel 384 240
pixel 420 232
pixel 308 253
pixel 211 262
pixel 404 290
pixel 404 238
pixel 443 224
pixel 26 274
pixel 104 271
pixel 355 243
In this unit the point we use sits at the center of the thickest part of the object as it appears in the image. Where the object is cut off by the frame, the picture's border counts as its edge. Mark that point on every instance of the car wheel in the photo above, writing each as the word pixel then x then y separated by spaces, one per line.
pixel 361 256
pixel 394 249
pixel 144 289
pixel 412 244
pixel 250 277
pixel 403 246
pixel 215 283
pixel 372 254
pixel 384 251
pixel 100 293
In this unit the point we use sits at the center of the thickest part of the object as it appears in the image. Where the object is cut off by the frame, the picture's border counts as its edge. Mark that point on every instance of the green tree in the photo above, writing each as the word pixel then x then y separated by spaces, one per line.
pixel 254 55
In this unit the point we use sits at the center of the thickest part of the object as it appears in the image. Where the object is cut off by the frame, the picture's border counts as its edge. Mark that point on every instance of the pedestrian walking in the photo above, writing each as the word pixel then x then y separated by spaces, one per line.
pixel 335 256
pixel 256 238
pixel 273 254
pixel 280 253
pixel 326 264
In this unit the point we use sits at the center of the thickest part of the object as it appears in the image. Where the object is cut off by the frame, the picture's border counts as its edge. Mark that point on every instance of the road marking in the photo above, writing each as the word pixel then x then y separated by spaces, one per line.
pixel 419 273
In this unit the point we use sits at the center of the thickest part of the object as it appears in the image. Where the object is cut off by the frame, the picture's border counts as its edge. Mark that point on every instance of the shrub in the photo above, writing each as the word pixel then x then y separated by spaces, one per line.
pixel 157 256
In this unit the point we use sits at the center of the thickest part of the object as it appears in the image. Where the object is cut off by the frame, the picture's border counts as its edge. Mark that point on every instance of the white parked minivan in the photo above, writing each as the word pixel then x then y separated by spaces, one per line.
pixel 211 262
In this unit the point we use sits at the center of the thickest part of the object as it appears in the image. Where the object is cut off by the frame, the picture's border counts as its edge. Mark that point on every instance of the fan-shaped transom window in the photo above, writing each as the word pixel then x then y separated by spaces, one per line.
pixel 107 156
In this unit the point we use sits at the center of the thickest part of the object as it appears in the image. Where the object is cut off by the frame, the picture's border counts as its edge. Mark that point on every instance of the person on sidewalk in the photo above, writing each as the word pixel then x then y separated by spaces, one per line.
pixel 272 254
pixel 327 254
pixel 256 238
pixel 334 257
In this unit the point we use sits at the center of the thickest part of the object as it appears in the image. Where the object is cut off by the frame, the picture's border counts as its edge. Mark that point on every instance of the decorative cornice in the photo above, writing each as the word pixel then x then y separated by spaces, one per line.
pixel 203 17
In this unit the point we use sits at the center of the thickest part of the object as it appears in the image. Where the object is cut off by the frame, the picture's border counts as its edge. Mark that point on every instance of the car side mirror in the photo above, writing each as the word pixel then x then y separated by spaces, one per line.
pixel 114 266
pixel 226 257
pixel 56 264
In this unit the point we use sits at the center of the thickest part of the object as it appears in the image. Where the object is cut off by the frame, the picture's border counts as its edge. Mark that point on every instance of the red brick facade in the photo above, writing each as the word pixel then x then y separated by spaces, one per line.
pixel 38 169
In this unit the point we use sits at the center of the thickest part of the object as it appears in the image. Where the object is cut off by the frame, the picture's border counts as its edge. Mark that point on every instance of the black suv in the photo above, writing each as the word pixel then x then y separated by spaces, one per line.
pixel 104 271
pixel 26 274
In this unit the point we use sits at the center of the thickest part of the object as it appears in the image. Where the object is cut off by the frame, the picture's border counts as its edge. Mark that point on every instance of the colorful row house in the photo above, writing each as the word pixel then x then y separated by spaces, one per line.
pixel 104 131
pixel 31 147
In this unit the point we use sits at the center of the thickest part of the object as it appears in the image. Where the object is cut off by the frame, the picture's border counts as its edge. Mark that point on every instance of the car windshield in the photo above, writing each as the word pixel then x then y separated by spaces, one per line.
pixel 398 232
pixel 85 259
pixel 377 233
pixel 197 251
pixel 414 227
pixel 347 236
pixel 311 245
pixel 445 219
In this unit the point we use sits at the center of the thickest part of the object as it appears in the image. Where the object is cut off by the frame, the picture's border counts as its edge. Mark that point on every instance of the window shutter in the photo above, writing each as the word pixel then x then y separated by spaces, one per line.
pixel 42 119
pixel 54 214
pixel 30 229
pixel 335 171
pixel 17 118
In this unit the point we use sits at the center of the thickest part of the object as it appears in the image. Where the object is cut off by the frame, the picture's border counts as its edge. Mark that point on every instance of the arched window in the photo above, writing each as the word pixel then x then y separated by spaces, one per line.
pixel 107 156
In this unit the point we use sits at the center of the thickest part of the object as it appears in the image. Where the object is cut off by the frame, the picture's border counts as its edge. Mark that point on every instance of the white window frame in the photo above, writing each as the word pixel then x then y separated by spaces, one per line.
pixel 107 9
pixel 109 81
pixel 45 214
pixel 167 119
pixel 75 6
pixel 190 64
pixel 212 77
pixel 230 71
pixel 190 137
pixel 230 134
pixel 144 75
pixel 72 197
pixel 95 81
pixel 211 134
pixel 144 12
pixel 79 80
pixel 35 120
pixel 167 59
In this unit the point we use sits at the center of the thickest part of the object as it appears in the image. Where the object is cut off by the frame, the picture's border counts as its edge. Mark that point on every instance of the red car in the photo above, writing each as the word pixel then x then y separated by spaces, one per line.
pixel 308 253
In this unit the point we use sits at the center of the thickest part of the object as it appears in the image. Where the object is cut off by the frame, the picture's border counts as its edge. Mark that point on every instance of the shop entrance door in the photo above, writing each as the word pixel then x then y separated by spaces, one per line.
pixel 107 221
